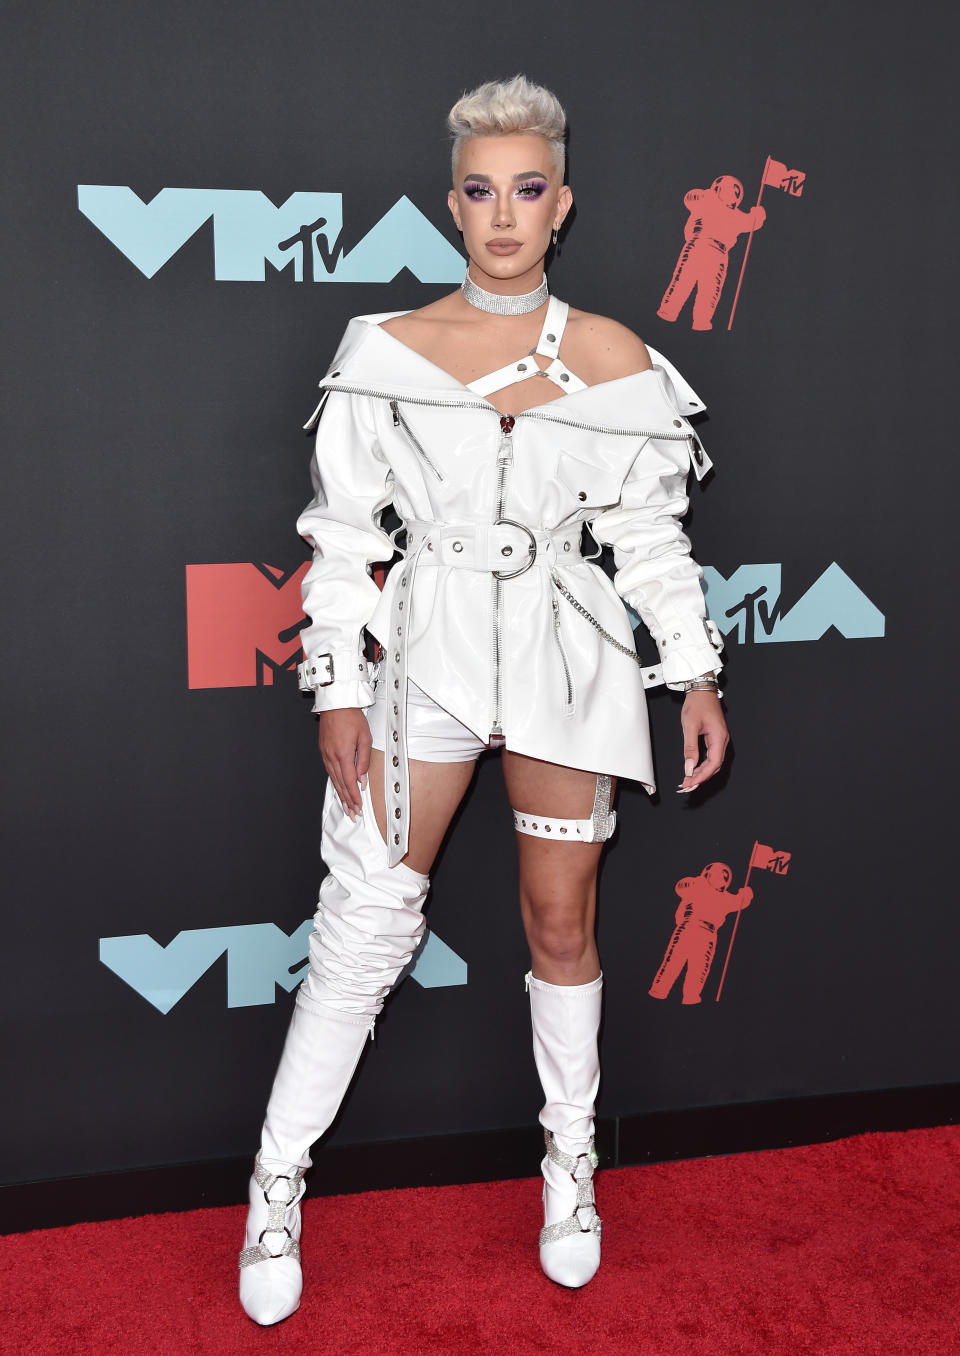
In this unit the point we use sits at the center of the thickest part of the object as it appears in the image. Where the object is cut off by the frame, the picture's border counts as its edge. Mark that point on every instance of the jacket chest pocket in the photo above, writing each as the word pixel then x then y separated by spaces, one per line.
pixel 590 486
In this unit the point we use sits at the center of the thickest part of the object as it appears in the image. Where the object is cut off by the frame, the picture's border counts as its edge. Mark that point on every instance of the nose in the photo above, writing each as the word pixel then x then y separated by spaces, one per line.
pixel 503 216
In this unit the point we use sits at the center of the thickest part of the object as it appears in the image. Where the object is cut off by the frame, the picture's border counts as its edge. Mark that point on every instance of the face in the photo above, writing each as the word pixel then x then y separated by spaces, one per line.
pixel 507 198
pixel 718 875
pixel 728 190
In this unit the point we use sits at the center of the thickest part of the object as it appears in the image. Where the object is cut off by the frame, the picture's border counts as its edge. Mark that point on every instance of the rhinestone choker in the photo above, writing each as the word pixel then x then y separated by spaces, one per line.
pixel 504 305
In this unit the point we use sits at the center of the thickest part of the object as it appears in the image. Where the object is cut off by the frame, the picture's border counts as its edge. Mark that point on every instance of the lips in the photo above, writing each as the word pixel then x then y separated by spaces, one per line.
pixel 501 246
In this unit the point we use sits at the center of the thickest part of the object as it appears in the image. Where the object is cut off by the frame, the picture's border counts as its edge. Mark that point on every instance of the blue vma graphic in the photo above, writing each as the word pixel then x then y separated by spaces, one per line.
pixel 259 957
pixel 304 234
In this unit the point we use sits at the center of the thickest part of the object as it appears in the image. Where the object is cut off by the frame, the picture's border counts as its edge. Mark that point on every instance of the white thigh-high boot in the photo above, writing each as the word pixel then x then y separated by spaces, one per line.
pixel 367 927
pixel 566 1020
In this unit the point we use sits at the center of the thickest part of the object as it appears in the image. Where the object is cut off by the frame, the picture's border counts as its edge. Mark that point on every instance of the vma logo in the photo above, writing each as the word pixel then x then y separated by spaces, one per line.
pixel 747 606
pixel 243 623
pixel 259 957
pixel 304 235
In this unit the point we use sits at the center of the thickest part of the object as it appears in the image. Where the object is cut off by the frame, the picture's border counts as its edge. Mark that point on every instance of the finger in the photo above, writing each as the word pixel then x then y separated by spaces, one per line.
pixel 364 747
pixel 715 741
pixel 352 800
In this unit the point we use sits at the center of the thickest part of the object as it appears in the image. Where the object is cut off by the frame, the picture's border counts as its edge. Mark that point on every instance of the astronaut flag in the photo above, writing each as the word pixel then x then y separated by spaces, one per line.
pixel 765 859
pixel 775 175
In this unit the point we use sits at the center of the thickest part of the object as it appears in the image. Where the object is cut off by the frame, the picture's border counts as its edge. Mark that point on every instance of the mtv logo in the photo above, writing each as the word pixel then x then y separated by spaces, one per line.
pixel 747 606
pixel 259 957
pixel 243 623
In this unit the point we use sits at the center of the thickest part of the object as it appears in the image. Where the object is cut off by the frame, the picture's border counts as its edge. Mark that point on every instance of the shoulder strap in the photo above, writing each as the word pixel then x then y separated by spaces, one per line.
pixel 553 326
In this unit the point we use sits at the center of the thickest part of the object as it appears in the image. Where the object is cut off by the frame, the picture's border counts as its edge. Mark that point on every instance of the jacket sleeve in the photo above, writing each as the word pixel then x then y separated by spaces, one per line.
pixel 655 573
pixel 352 485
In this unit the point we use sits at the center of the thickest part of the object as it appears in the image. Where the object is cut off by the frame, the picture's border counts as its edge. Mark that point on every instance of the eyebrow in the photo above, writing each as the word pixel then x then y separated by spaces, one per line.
pixel 486 179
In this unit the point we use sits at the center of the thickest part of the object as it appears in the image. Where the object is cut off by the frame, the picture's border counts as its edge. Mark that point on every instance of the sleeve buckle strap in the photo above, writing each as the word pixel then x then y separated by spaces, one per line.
pixel 323 669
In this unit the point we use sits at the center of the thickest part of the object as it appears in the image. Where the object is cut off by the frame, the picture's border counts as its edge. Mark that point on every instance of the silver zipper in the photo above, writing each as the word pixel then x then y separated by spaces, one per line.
pixel 400 422
pixel 568 679
pixel 579 607
pixel 504 462
pixel 456 403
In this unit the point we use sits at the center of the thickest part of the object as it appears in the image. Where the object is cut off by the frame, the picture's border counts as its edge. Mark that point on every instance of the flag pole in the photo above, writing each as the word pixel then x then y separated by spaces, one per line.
pixel 736 921
pixel 746 252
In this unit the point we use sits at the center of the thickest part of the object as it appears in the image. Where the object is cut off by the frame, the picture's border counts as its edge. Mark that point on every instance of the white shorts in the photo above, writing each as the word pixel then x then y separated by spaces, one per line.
pixel 433 735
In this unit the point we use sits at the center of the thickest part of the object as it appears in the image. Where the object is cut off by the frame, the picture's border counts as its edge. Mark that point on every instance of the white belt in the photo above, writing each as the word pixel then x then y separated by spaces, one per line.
pixel 506 549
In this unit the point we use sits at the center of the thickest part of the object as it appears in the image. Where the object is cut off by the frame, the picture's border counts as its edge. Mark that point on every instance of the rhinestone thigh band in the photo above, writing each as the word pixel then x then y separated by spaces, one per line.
pixel 596 829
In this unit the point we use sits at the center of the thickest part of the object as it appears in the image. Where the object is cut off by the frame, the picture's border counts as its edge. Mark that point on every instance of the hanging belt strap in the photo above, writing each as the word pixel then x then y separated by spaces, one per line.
pixel 507 549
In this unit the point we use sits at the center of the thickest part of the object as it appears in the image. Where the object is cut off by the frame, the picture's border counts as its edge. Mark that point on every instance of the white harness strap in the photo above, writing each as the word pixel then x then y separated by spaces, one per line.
pixel 596 829
pixel 548 346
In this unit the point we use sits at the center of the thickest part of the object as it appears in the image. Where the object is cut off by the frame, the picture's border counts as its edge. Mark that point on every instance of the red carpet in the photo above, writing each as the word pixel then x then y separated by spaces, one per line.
pixel 851 1247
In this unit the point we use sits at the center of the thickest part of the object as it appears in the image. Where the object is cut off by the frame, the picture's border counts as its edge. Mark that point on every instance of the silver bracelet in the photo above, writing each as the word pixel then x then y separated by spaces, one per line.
pixel 701 685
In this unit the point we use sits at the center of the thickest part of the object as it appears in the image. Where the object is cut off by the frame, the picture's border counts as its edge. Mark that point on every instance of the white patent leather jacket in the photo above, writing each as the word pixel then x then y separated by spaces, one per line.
pixel 491 608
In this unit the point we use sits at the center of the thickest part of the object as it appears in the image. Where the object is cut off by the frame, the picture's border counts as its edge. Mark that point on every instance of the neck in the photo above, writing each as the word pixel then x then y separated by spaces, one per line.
pixel 507 287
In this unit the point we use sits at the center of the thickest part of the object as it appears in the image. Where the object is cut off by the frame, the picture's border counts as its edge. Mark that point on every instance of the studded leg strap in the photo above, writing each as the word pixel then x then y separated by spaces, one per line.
pixel 596 829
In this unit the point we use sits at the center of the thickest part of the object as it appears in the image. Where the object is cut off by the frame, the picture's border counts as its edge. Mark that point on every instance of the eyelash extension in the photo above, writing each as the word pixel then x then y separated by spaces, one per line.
pixel 479 192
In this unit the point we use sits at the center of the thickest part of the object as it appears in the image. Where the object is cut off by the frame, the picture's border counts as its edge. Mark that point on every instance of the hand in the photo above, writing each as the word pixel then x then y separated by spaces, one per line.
pixel 345 743
pixel 702 715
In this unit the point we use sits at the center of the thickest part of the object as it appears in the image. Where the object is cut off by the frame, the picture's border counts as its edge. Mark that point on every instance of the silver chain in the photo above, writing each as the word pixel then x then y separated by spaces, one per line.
pixel 611 640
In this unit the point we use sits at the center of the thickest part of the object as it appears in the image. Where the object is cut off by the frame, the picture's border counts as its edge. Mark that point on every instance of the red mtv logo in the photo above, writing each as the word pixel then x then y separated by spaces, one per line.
pixel 243 623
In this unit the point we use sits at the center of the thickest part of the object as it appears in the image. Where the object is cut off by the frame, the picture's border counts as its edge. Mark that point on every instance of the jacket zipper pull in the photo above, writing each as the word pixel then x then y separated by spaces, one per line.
pixel 505 451
pixel 396 414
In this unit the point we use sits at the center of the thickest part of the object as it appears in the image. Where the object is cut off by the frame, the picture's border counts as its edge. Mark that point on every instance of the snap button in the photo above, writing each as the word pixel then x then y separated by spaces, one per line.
pixel 521 367
pixel 677 423
pixel 506 550
pixel 458 545
pixel 581 494
pixel 564 376
pixel 551 338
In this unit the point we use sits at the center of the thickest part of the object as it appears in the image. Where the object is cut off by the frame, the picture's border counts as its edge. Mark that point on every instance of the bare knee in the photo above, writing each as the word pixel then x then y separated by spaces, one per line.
pixel 560 935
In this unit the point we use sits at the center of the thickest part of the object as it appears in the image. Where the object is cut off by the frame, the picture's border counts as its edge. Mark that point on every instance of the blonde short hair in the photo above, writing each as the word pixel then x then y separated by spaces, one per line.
pixel 514 107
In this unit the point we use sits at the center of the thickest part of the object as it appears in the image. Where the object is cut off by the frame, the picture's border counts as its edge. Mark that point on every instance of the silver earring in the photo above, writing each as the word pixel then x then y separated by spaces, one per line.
pixel 556 232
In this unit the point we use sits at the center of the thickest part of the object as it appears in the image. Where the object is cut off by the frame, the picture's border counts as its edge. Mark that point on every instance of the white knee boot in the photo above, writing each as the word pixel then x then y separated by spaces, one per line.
pixel 367 927
pixel 566 1020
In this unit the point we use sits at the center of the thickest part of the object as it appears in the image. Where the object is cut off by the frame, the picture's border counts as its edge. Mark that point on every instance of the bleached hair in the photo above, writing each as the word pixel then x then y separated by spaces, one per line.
pixel 514 107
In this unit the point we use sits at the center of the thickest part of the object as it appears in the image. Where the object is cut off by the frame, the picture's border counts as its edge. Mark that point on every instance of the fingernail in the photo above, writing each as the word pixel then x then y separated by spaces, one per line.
pixel 688 767
pixel 363 781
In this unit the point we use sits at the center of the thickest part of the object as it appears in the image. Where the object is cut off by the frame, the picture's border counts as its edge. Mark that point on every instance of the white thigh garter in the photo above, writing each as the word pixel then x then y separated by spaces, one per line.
pixel 596 829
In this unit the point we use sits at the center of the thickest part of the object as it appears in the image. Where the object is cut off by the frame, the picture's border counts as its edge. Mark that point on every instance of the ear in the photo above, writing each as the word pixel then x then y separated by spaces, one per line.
pixel 454 209
pixel 564 202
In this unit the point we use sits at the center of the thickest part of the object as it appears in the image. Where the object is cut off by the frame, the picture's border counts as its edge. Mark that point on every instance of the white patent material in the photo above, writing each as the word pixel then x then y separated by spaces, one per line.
pixel 398 429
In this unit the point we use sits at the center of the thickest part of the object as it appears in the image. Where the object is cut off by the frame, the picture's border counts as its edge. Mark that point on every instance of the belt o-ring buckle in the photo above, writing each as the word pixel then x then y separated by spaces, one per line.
pixel 532 550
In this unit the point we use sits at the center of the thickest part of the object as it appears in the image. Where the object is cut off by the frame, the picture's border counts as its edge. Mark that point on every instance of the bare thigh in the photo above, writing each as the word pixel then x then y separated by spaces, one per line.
pixel 558 880
pixel 436 789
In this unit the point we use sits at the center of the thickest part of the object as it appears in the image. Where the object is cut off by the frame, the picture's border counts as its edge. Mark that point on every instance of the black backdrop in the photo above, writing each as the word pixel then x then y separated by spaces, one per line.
pixel 152 424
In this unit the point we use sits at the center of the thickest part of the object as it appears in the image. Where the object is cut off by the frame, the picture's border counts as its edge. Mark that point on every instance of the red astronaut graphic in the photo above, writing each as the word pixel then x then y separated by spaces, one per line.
pixel 715 223
pixel 705 902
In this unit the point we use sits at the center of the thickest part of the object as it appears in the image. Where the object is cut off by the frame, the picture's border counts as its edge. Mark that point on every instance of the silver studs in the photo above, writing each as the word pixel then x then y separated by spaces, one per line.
pixel 506 550
pixel 521 367
pixel 677 423
pixel 564 376
pixel 458 546
pixel 551 338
